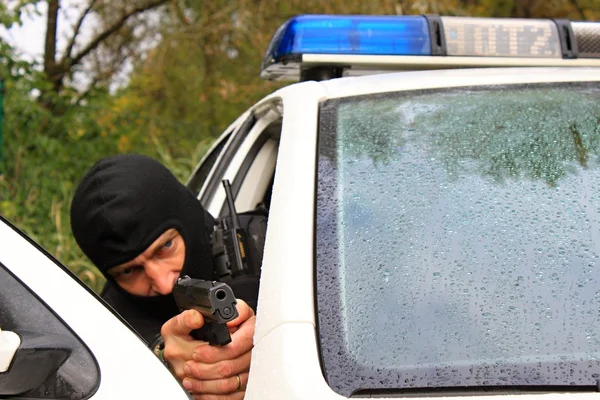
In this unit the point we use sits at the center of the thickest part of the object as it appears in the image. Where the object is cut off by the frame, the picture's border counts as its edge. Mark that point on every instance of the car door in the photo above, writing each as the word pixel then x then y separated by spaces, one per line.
pixel 59 341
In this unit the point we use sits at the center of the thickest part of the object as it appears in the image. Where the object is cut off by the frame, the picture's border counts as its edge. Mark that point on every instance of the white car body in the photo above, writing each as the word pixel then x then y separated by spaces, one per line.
pixel 285 360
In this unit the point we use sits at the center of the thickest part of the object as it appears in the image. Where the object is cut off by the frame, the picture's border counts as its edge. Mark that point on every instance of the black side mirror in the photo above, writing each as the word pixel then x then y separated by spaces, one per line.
pixel 38 358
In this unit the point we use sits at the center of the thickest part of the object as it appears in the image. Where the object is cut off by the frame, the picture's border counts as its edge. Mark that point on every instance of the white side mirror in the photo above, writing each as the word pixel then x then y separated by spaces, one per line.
pixel 9 344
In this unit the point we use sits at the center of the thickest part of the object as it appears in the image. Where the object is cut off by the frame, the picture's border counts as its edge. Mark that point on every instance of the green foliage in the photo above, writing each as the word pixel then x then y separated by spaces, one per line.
pixel 44 156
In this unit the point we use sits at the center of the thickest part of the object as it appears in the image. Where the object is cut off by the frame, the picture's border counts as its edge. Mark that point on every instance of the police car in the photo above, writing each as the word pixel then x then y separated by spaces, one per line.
pixel 431 232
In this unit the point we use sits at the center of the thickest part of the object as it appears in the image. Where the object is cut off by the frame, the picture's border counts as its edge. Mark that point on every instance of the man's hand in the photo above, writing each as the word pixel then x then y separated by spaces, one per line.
pixel 210 372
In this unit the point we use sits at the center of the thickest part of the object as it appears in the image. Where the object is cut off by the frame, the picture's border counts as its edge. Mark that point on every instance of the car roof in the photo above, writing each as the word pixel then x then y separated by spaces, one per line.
pixel 437 79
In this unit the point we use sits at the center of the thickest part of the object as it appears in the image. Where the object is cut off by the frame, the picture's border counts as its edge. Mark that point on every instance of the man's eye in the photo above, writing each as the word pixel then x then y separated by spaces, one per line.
pixel 166 249
pixel 128 272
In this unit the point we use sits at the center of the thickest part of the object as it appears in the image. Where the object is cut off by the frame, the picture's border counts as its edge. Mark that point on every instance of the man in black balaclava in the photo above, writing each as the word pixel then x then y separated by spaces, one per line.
pixel 142 228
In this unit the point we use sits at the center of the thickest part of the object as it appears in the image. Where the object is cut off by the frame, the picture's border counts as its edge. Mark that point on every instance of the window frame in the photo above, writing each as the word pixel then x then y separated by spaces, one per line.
pixel 200 174
pixel 238 156
pixel 235 140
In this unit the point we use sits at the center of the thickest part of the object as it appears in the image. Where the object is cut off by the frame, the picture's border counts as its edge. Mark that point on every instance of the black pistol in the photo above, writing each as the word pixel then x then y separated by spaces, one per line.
pixel 215 301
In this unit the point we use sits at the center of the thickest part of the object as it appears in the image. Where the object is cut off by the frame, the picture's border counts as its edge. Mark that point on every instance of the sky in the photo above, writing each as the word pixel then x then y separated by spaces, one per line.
pixel 28 39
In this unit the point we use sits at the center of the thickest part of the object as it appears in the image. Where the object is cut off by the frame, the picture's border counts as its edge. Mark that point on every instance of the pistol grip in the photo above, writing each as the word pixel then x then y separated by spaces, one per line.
pixel 213 333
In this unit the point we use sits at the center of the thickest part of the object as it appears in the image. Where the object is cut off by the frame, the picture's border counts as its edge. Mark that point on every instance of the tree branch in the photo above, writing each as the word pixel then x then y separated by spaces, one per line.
pixel 51 28
pixel 112 29
pixel 77 28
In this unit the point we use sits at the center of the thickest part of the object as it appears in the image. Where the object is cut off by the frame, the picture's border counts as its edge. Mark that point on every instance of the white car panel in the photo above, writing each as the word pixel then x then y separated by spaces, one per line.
pixel 402 81
pixel 126 365
pixel 286 292
pixel 363 63
pixel 285 365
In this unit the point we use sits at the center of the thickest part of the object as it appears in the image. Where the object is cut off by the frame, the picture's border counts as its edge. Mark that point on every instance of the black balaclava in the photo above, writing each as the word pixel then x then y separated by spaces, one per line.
pixel 122 205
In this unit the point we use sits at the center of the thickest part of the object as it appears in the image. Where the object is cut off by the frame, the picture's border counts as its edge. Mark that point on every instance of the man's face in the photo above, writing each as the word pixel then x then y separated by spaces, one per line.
pixel 154 271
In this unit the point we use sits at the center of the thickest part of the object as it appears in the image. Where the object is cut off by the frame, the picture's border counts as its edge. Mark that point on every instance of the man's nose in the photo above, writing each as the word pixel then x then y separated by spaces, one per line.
pixel 161 279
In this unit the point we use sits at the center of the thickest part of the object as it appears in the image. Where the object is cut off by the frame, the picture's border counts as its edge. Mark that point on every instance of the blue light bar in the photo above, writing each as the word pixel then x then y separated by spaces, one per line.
pixel 328 34
pixel 318 47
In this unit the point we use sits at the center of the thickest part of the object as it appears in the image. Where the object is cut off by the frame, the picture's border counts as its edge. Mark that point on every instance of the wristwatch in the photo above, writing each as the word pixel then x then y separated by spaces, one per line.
pixel 158 348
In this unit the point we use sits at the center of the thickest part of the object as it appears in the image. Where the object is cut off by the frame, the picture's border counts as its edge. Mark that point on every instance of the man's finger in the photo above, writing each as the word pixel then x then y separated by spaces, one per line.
pixel 183 323
pixel 241 342
pixel 217 386
pixel 245 312
pixel 219 370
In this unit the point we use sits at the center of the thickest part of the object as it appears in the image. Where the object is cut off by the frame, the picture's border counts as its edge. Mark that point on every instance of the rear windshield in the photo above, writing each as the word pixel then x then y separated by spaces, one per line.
pixel 458 239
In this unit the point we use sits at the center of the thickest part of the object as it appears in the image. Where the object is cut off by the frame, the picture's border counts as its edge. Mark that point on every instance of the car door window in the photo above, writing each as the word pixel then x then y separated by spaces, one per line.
pixel 51 362
pixel 252 184
pixel 231 148
pixel 198 177
pixel 247 161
